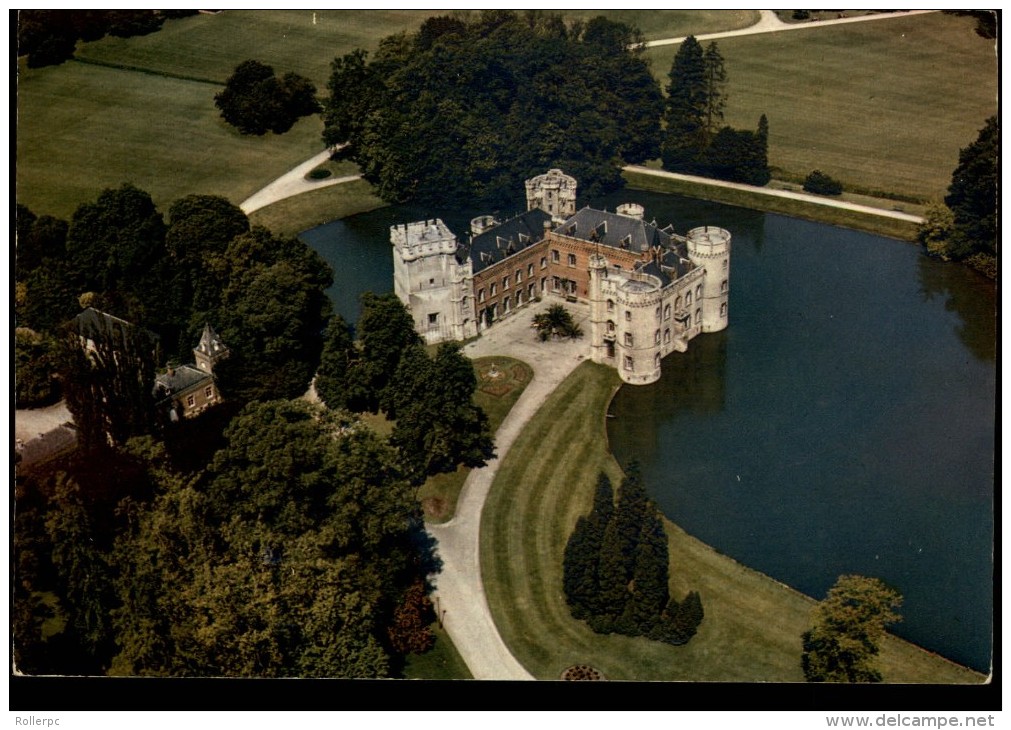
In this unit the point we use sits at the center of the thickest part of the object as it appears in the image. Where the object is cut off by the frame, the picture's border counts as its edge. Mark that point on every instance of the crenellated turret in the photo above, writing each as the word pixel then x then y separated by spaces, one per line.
pixel 709 248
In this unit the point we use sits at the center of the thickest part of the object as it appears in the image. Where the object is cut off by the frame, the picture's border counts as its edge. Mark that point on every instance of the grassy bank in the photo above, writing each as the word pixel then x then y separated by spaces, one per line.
pixel 753 624
pixel 882 105
pixel 299 213
pixel 880 225
pixel 442 661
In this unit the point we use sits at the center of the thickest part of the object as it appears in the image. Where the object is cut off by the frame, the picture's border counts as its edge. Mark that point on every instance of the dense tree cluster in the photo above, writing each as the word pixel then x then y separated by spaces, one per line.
pixel 616 568
pixel 256 101
pixel 696 141
pixel 464 110
pixel 263 294
pixel 437 426
pixel 965 227
pixel 49 37
pixel 296 552
pixel 849 625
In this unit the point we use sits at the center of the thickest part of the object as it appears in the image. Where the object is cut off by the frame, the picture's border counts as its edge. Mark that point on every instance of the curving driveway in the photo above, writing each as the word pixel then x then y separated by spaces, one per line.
pixel 459 586
pixel 293 182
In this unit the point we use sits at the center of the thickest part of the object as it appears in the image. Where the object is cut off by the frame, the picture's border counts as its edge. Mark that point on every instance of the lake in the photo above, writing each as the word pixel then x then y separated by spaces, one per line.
pixel 843 423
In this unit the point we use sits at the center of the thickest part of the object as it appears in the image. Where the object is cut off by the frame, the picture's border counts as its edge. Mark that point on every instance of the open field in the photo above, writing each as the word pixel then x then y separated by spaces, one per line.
pixel 881 106
pixel 753 624
pixel 656 24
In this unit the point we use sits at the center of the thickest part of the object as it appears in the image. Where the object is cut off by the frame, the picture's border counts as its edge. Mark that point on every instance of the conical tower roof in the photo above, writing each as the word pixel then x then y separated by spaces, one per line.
pixel 210 343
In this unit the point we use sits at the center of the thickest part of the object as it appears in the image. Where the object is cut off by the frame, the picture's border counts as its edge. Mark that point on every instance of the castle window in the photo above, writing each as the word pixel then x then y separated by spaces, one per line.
pixel 628 315
pixel 724 264
pixel 493 290
pixel 555 283
pixel 723 286
pixel 666 311
pixel 688 299
pixel 698 317
pixel 530 270
pixel 698 292
pixel 723 310
pixel 610 305
pixel 610 327
pixel 658 313
pixel 519 276
pixel 505 305
pixel 433 319
pixel 656 360
pixel 505 282
pixel 494 312
pixel 431 282
pixel 666 336
pixel 628 339
pixel 629 363
pixel 544 262
pixel 656 337
pixel 571 259
pixel 555 258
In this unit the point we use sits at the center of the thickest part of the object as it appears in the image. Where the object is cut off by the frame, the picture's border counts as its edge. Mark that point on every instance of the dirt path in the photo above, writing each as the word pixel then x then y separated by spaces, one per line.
pixel 806 197
pixel 459 586
pixel 770 23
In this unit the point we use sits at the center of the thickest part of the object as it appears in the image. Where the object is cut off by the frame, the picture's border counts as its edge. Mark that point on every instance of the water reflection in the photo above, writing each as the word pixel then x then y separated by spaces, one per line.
pixel 970 296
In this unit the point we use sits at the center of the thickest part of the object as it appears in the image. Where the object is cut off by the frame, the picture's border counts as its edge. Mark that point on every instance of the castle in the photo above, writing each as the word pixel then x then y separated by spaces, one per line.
pixel 650 290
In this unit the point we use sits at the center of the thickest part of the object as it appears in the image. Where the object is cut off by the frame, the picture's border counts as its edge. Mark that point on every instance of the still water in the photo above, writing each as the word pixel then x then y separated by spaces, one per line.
pixel 843 423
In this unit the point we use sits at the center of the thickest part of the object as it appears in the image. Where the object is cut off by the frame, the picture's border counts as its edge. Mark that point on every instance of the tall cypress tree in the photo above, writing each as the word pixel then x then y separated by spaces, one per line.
pixel 686 107
pixel 715 97
pixel 649 593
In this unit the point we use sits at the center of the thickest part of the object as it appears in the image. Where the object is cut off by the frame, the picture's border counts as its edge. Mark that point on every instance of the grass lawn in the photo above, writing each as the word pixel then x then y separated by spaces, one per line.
pixel 656 24
pixel 753 624
pixel 496 397
pixel 881 106
pixel 442 661
pixel 880 225
pixel 299 213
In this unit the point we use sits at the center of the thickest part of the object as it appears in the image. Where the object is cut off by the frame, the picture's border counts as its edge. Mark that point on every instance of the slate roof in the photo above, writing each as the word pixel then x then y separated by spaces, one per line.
pixel 178 380
pixel 616 231
pixel 507 238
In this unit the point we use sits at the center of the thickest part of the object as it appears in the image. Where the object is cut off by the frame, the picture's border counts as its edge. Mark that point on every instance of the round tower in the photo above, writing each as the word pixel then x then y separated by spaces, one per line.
pixel 709 248
pixel 601 340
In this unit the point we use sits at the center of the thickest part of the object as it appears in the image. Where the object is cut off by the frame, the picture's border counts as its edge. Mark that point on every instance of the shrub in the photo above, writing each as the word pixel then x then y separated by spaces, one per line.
pixel 821 184
pixel 319 173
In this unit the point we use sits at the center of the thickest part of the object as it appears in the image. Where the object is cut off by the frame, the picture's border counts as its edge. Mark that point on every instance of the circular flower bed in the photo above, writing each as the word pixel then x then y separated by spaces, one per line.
pixel 582 672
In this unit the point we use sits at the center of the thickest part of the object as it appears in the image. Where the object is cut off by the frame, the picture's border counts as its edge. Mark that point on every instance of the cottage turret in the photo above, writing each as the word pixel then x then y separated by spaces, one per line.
pixel 210 351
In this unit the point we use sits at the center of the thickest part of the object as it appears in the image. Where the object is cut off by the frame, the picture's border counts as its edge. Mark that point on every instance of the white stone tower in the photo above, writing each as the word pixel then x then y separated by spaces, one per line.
pixel 432 282
pixel 554 192
pixel 602 334
pixel 210 351
pixel 709 248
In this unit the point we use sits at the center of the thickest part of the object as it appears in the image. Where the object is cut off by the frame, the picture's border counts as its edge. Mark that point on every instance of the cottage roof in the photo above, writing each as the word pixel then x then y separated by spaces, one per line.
pixel 507 238
pixel 93 324
pixel 178 380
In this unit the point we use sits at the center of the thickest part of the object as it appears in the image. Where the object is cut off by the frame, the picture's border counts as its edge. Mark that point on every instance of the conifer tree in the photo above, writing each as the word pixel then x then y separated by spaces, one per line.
pixel 716 100
pixel 580 579
pixel 686 107
pixel 649 594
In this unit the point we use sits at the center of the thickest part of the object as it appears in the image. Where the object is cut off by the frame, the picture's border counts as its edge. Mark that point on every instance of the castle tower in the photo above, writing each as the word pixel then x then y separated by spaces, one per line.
pixel 554 192
pixel 210 351
pixel 432 282
pixel 602 336
pixel 709 248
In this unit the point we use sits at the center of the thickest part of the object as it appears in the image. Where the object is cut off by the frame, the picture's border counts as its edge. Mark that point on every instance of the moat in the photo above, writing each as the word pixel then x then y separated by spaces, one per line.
pixel 843 423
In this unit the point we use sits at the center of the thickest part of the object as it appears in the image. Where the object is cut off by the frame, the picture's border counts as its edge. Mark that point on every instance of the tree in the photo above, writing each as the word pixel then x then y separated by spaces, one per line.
pixel 580 579
pixel 556 322
pixel 821 184
pixel 936 230
pixel 687 107
pixel 438 425
pixel 255 101
pixel 737 155
pixel 34 369
pixel 385 331
pixel 716 81
pixel 108 384
pixel 972 196
pixel 848 627
pixel 342 379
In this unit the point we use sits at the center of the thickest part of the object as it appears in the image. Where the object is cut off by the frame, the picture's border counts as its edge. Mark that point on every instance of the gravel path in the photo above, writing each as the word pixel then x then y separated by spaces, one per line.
pixel 459 586
pixel 292 183
pixel 806 197
pixel 770 23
